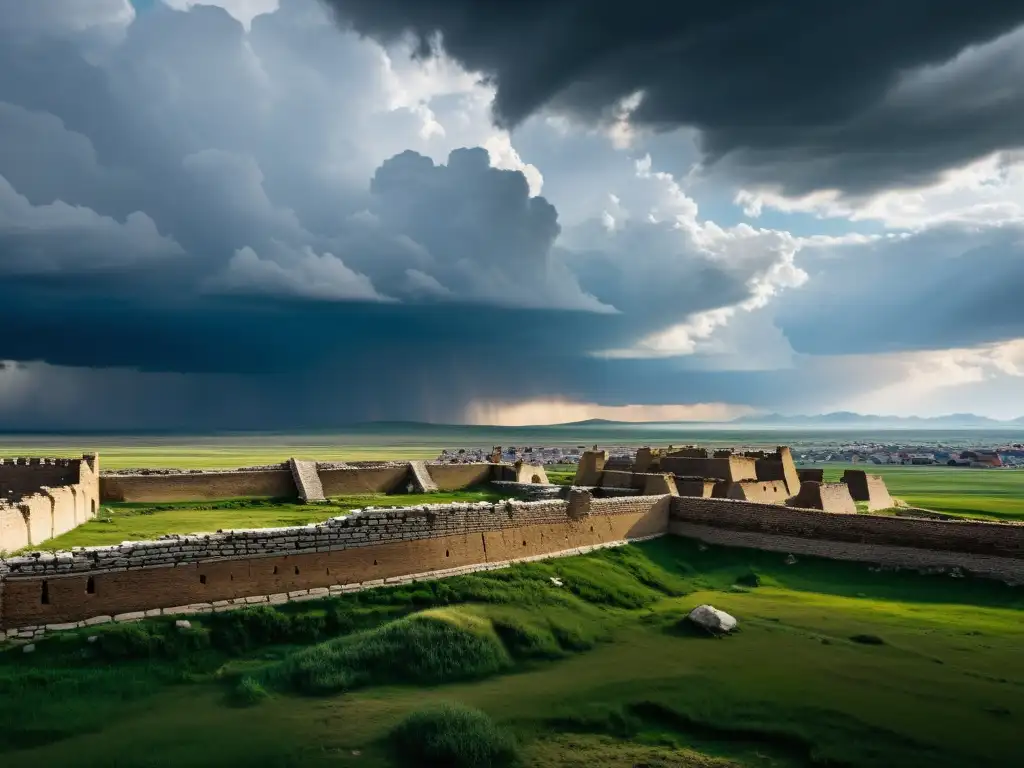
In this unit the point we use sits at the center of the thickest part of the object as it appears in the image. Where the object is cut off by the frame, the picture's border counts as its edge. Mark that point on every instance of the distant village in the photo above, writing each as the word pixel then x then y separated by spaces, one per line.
pixel 1008 456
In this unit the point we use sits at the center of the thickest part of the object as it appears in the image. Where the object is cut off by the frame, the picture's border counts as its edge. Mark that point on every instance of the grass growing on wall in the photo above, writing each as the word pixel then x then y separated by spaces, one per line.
pixel 593 673
pixel 138 521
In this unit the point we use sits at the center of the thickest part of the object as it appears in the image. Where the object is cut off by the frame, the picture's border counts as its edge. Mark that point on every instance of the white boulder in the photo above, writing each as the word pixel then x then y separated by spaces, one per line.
pixel 556 581
pixel 183 624
pixel 712 620
pixel 28 648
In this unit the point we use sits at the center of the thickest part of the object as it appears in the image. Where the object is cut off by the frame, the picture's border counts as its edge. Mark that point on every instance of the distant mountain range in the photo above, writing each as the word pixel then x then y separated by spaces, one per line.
pixel 848 419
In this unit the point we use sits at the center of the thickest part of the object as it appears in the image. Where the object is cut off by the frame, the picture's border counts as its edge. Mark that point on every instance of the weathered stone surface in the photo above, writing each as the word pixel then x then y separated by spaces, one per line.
pixel 307 481
pixel 712 620
pixel 421 479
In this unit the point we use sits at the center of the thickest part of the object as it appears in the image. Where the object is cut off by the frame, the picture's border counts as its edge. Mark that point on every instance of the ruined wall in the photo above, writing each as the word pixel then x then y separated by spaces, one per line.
pixel 364 547
pixel 655 484
pixel 337 479
pixel 188 486
pixel 695 486
pixel 43 498
pixel 1008 569
pixel 869 488
pixel 531 473
pixel 830 497
pixel 615 478
pixel 811 475
pixel 731 468
pixel 764 492
pixel 588 471
pixel 14 534
pixel 450 477
pixel 384 478
pixel 25 476
pixel 996 539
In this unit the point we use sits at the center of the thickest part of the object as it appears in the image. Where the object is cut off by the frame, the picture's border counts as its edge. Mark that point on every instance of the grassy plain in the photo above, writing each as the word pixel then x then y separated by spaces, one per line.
pixel 834 665
pixel 994 494
pixel 143 521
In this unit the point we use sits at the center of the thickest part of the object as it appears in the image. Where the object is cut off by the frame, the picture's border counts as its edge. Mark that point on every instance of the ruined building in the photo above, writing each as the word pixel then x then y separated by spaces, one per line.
pixel 757 476
pixel 42 498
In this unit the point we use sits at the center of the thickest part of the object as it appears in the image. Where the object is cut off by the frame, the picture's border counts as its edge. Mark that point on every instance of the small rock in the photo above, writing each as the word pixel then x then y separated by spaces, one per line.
pixel 183 624
pixel 92 638
pixel 790 559
pixel 28 648
pixel 556 581
pixel 712 620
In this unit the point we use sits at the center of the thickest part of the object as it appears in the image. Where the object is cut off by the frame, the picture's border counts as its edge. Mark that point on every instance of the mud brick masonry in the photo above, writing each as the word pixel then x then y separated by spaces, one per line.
pixel 43 498
pixel 174 575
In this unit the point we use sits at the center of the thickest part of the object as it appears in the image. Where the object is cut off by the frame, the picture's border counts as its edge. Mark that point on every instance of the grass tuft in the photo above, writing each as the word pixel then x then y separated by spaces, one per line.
pixel 247 692
pixel 454 736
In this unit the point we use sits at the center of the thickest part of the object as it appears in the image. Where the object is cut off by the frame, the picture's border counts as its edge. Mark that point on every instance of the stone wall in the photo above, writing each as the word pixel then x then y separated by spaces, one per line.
pixel 337 479
pixel 364 547
pixel 450 477
pixel 1008 569
pixel 43 498
pixel 385 478
pixel 995 539
pixel 194 486
pixel 732 468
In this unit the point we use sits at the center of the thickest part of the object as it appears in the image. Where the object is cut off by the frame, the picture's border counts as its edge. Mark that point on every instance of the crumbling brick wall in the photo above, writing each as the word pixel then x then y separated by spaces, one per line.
pixel 830 497
pixel 193 486
pixel 42 497
pixel 732 467
pixel 336 478
pixel 997 539
pixel 372 544
pixel 869 488
pixel 588 471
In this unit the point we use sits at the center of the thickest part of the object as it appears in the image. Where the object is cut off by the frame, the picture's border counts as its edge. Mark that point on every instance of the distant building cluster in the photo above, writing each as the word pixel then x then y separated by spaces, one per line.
pixel 1009 455
pixel 528 454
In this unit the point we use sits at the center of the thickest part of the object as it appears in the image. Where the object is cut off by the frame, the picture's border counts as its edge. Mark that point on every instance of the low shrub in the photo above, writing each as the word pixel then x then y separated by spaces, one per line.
pixel 249 628
pixel 247 692
pixel 749 579
pixel 149 640
pixel 453 736
pixel 421 649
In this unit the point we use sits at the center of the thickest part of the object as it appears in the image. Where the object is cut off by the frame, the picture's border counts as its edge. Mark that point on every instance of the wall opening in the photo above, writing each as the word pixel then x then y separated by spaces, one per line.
pixel 275 570
pixel 447 553
pixel 202 578
pixel 535 479
pixel 296 570
pixel 90 586
pixel 524 542
pixel 374 562
pixel 92 507
pixel 44 598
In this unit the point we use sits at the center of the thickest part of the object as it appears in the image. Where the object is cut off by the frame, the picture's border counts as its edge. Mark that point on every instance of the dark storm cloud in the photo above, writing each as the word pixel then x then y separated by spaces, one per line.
pixel 941 288
pixel 799 93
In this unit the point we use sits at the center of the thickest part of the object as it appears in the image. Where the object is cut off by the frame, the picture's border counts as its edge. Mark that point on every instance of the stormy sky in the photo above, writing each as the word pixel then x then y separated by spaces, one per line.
pixel 278 214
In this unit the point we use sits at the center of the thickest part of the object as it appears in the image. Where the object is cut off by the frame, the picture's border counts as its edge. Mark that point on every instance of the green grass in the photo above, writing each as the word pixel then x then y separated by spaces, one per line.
pixel 992 494
pixel 119 522
pixel 834 664
pixel 454 736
